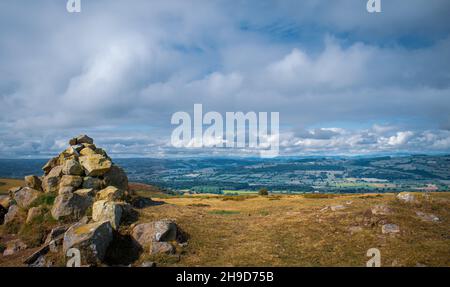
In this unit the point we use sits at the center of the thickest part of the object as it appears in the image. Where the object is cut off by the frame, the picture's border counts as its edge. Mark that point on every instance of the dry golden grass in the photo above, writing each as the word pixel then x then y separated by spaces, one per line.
pixel 291 230
pixel 7 183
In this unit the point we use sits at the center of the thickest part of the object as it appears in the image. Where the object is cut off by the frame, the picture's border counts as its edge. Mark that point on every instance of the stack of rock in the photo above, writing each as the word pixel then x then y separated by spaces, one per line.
pixel 91 195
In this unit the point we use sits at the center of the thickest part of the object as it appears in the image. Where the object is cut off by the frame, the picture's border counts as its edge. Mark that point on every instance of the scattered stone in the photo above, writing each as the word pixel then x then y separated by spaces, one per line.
pixel 110 193
pixel 26 196
pixel 324 209
pixel 162 248
pixel 91 239
pixel 70 205
pixel 13 214
pixel 40 262
pixel 33 213
pixel 427 216
pixel 103 210
pixel 13 247
pixel 92 182
pixel 380 210
pixel 72 167
pixel 117 177
pixel 95 165
pixel 406 197
pixel 33 182
pixel 337 207
pixel 157 231
pixel 390 229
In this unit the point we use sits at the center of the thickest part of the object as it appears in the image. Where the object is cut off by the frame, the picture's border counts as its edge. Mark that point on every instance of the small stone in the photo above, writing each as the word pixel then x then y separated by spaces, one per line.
pixel 390 229
pixel 71 180
pixel 50 182
pixel 427 216
pixel 87 151
pixel 13 247
pixel 86 192
pixel 81 139
pixel 148 264
pixel 50 165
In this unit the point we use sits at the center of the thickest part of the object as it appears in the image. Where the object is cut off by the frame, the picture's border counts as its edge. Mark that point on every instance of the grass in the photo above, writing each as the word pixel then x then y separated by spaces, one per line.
pixel 293 231
pixel 7 183
pixel 224 212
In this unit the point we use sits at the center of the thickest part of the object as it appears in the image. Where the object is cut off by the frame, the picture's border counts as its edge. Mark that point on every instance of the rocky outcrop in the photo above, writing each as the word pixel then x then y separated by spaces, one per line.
pixel 91 239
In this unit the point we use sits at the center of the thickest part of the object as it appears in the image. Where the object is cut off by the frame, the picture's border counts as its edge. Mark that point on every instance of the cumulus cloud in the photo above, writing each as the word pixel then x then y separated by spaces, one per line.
pixel 343 80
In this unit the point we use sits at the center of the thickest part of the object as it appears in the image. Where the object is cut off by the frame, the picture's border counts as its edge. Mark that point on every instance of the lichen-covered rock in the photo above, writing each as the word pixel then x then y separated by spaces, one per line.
pixel 162 248
pixel 117 177
pixel 86 192
pixel 95 165
pixel 70 205
pixel 104 210
pixel 91 239
pixel 12 214
pixel 50 182
pixel 111 193
pixel 33 213
pixel 87 151
pixel 72 167
pixel 26 196
pixel 92 182
pixel 50 165
pixel 84 139
pixel 33 182
pixel 71 180
pixel 157 231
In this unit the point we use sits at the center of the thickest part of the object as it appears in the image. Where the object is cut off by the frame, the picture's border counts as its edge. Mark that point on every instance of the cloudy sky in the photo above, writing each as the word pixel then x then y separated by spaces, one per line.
pixel 344 81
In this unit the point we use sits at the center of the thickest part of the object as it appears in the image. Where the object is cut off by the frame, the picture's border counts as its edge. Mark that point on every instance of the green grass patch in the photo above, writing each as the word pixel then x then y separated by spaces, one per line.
pixel 44 199
pixel 224 212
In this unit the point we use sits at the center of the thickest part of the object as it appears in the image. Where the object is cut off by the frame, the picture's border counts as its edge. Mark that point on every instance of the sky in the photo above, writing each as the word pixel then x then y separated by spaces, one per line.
pixel 344 81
